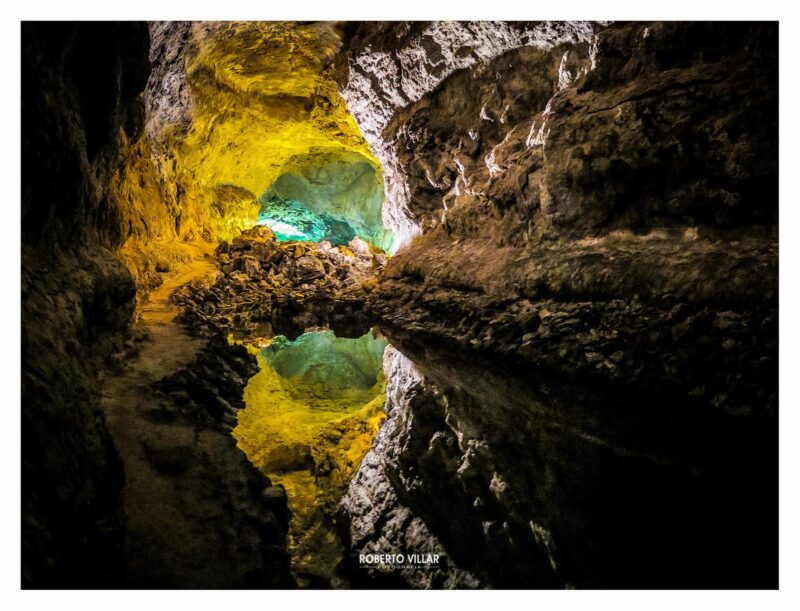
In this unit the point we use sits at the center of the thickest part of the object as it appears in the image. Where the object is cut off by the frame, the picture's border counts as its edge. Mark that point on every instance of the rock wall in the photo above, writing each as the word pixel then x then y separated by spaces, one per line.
pixel 105 211
pixel 231 108
pixel 634 175
pixel 80 95
pixel 376 520
pixel 602 214
pixel 312 413
pixel 521 480
pixel 595 206
pixel 165 204
pixel 386 67
pixel 219 522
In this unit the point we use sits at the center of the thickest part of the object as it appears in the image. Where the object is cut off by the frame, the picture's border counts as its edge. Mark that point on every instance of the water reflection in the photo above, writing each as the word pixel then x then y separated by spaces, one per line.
pixel 311 414
pixel 528 481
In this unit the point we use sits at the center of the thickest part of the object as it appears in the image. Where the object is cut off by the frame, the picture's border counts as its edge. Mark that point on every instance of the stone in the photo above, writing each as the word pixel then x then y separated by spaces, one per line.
pixel 359 246
pixel 300 285
pixel 604 191
pixel 250 266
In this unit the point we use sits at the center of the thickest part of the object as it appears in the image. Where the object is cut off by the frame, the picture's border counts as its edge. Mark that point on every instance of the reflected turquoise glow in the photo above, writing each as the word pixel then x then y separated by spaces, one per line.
pixel 332 363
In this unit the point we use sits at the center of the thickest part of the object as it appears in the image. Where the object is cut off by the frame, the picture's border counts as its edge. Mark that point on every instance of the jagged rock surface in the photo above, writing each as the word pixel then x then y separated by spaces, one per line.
pixel 77 297
pixel 375 519
pixel 524 480
pixel 267 288
pixel 209 391
pixel 231 532
pixel 683 233
pixel 593 208
pixel 385 67
pixel 231 108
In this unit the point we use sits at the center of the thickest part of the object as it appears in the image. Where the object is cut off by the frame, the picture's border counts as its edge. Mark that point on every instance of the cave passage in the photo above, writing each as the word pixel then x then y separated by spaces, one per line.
pixel 563 235
pixel 311 413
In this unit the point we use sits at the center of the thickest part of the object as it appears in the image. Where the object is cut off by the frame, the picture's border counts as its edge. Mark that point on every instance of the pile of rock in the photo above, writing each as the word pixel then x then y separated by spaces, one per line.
pixel 266 287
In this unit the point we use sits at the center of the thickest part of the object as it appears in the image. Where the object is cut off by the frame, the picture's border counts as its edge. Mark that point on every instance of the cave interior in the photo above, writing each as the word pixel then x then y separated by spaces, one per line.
pixel 502 293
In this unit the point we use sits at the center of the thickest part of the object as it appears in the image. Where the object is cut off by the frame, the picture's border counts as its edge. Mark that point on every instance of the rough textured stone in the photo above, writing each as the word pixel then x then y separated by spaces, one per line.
pixel 268 288
pixel 624 192
pixel 524 480
pixel 388 66
pixel 585 283
pixel 77 297
pixel 311 414
pixel 229 528
pixel 232 110
pixel 89 191
pixel 376 519
pixel 608 230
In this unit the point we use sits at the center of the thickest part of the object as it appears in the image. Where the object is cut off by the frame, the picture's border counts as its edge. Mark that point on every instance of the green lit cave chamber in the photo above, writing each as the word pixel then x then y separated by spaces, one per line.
pixel 331 365
pixel 333 197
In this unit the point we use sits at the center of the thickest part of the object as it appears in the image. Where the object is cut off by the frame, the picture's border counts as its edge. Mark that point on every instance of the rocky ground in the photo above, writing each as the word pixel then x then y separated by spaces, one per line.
pixel 680 315
pixel 267 288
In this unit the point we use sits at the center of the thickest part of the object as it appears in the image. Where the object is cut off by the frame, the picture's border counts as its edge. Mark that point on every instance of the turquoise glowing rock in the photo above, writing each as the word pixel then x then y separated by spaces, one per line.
pixel 292 220
pixel 343 187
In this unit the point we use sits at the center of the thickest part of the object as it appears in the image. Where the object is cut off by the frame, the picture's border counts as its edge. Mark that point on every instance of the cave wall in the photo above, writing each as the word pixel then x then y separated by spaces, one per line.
pixel 375 516
pixel 165 205
pixel 595 203
pixel 629 190
pixel 106 210
pixel 385 67
pixel 262 94
pixel 519 480
pixel 600 212
pixel 81 85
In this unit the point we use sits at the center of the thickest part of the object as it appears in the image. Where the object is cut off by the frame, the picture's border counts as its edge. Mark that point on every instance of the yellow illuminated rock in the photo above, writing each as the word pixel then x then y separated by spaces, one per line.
pixel 257 101
pixel 240 113
pixel 262 95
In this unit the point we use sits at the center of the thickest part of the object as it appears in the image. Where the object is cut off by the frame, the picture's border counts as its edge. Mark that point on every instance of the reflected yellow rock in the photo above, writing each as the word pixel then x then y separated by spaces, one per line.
pixel 311 414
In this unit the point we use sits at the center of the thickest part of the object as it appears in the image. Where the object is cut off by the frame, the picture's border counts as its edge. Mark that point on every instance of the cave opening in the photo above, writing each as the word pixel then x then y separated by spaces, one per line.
pixel 312 411
pixel 292 220
pixel 332 196
pixel 248 137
